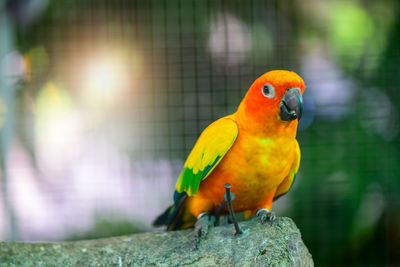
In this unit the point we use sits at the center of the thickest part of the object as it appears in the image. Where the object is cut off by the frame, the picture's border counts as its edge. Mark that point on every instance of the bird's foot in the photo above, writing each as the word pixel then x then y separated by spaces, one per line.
pixel 265 215
pixel 204 221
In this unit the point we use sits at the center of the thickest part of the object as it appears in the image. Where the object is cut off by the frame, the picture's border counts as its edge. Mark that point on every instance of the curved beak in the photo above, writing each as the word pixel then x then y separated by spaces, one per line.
pixel 291 105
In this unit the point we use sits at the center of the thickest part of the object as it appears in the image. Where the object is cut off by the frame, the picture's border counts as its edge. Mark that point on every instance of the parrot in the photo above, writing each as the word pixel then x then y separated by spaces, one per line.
pixel 254 150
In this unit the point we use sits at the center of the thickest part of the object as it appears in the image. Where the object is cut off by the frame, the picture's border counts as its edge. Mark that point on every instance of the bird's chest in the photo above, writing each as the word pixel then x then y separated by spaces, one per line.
pixel 254 167
pixel 265 161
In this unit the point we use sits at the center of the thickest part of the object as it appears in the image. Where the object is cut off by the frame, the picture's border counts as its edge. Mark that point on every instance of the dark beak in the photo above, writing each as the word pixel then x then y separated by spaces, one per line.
pixel 291 105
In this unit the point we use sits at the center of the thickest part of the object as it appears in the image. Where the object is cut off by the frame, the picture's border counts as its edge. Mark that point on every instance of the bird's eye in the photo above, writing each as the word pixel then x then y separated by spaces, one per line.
pixel 268 90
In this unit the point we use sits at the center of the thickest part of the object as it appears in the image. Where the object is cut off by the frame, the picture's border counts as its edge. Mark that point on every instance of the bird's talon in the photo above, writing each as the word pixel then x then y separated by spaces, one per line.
pixel 204 221
pixel 265 215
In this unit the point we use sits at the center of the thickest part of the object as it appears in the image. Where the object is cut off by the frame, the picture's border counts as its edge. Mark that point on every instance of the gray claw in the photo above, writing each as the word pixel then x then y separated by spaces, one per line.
pixel 265 215
pixel 204 221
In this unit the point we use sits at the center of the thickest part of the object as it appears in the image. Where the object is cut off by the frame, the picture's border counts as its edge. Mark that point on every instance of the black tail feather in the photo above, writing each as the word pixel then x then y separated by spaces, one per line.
pixel 176 216
pixel 163 218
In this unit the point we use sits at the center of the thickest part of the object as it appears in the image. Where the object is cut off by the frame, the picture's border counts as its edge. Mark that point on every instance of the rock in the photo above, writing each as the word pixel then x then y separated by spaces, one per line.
pixel 260 245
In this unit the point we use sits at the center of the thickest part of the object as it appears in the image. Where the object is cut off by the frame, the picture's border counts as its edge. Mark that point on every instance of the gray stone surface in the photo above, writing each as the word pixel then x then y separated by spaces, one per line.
pixel 260 245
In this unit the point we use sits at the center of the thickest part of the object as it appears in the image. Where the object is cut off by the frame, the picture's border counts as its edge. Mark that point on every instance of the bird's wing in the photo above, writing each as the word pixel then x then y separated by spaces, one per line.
pixel 287 183
pixel 208 151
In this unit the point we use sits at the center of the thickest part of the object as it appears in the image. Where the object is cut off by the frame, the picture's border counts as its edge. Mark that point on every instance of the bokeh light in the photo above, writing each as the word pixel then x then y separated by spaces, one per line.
pixel 104 77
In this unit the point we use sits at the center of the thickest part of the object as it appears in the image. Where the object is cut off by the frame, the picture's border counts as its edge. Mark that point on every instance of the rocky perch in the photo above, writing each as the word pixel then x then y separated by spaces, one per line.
pixel 260 245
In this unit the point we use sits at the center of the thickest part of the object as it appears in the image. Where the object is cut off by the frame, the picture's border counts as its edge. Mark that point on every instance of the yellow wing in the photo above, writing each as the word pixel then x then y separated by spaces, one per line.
pixel 208 151
pixel 287 183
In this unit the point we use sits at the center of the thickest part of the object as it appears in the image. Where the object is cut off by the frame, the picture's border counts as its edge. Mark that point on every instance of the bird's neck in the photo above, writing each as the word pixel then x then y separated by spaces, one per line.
pixel 268 126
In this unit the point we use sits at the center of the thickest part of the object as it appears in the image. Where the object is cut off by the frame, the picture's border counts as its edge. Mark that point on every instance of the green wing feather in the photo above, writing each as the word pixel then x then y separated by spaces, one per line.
pixel 208 151
pixel 287 183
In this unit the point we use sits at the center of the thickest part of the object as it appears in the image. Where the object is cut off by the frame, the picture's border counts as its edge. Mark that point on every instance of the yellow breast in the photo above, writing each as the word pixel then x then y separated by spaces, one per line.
pixel 254 167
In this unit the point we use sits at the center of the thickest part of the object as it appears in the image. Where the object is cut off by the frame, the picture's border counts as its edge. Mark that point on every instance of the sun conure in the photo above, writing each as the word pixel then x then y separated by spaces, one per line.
pixel 254 149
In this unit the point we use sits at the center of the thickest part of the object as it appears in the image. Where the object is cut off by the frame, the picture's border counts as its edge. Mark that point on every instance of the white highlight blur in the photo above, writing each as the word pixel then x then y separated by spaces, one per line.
pixel 103 75
pixel 230 40
pixel 104 79
pixel 12 67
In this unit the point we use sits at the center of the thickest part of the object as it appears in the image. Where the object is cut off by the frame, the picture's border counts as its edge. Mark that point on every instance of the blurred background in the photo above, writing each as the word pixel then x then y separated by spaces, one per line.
pixel 101 101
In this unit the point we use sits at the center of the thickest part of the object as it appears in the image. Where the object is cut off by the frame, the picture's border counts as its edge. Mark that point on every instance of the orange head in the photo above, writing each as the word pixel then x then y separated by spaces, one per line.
pixel 275 98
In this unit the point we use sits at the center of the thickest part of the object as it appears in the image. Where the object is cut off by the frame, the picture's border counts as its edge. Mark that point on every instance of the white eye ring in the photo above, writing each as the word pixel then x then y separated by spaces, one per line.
pixel 268 90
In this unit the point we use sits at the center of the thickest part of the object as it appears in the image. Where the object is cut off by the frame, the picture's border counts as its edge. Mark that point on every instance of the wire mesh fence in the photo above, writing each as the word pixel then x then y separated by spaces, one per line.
pixel 110 97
